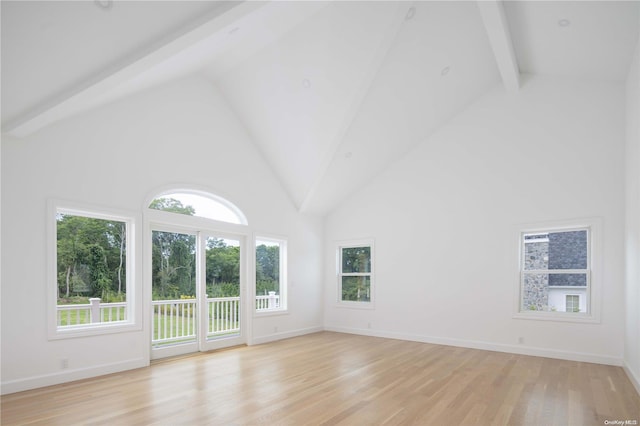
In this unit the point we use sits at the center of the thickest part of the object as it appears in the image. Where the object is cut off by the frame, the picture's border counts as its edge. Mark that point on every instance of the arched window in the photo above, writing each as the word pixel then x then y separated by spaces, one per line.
pixel 200 204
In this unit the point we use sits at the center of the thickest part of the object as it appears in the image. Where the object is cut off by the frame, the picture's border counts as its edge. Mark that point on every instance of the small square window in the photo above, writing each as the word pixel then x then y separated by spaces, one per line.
pixel 572 303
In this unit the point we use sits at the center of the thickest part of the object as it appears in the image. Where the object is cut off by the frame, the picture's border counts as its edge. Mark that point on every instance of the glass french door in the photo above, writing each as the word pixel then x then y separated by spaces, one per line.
pixel 196 291
pixel 222 292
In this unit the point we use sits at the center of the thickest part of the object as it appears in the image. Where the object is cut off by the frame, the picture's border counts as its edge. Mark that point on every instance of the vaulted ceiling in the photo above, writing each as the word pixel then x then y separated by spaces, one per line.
pixel 330 92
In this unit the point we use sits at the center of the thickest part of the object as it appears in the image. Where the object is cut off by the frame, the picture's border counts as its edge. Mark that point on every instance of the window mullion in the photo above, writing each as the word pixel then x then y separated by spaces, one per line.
pixel 556 271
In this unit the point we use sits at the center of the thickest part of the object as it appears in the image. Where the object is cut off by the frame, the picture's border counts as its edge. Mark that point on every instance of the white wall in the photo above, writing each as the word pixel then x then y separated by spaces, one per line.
pixel 444 220
pixel 117 156
pixel 632 296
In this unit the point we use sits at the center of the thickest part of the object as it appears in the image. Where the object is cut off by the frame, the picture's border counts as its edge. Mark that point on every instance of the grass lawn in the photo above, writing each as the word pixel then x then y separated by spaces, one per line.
pixel 82 316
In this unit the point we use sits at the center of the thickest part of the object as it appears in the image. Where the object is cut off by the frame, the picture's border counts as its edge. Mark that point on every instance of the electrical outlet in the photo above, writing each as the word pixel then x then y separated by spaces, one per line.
pixel 64 363
pixel 521 340
pixel 368 325
pixel 275 329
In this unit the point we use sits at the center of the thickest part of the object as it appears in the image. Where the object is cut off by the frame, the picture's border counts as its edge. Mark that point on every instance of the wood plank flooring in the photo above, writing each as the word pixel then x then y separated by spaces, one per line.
pixel 339 379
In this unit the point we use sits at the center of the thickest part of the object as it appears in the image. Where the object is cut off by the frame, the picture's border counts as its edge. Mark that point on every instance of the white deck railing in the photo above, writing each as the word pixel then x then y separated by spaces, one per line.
pixel 223 316
pixel 91 313
pixel 271 301
pixel 174 321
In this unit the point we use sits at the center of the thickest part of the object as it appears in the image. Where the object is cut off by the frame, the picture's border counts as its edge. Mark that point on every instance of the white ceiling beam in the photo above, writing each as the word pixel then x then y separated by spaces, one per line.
pixel 75 100
pixel 495 22
pixel 402 13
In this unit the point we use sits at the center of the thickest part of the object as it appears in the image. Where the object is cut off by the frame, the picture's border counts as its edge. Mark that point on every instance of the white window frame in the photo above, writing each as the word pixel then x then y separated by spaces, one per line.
pixel 339 274
pixel 133 287
pixel 594 277
pixel 283 307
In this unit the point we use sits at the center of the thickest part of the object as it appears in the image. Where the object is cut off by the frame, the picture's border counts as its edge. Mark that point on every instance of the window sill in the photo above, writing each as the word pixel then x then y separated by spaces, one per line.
pixel 558 317
pixel 92 330
pixel 568 287
pixel 270 313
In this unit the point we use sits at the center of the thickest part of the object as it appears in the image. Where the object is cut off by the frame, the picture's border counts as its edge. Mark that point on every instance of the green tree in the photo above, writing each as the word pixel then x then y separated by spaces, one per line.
pixel 356 259
pixel 173 255
pixel 69 247
pixel 91 255
pixel 173 260
pixel 223 269
pixel 173 263
pixel 172 205
pixel 97 262
pixel 267 268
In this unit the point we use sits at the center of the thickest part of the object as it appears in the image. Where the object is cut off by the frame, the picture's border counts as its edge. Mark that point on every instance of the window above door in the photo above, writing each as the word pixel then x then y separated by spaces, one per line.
pixel 198 204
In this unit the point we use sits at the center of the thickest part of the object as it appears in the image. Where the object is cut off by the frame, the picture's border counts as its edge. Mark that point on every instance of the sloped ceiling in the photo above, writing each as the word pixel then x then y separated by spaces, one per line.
pixel 331 92
pixel 588 39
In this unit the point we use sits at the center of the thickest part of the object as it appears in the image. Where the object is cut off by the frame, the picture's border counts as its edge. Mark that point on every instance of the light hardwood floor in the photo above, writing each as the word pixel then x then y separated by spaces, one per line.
pixel 331 378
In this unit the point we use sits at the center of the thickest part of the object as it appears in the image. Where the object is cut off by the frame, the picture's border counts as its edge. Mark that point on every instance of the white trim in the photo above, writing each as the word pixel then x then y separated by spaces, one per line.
pixel 487 346
pixel 635 380
pixel 560 316
pixel 34 382
pixel 160 217
pixel 270 313
pixel 565 225
pixel 568 287
pixel 133 277
pixel 536 240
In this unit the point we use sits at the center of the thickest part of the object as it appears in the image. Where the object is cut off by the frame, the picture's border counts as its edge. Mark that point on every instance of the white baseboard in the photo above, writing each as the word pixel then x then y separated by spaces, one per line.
pixel 285 335
pixel 633 378
pixel 11 386
pixel 19 385
pixel 474 344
